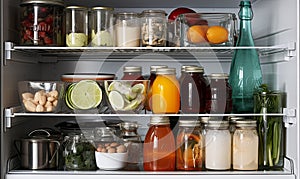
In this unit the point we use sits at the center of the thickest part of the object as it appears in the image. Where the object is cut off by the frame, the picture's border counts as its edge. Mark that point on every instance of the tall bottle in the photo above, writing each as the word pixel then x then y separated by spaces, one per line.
pixel 245 72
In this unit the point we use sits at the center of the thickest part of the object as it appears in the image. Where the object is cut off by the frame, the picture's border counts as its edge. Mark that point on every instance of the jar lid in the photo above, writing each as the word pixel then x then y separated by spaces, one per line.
pixel 159 120
pixel 103 8
pixel 132 69
pixel 151 11
pixel 246 123
pixel 183 67
pixel 53 2
pixel 218 124
pixel 218 76
pixel 129 126
pixel 195 69
pixel 77 7
pixel 153 68
pixel 189 123
pixel 204 120
pixel 233 119
pixel 166 71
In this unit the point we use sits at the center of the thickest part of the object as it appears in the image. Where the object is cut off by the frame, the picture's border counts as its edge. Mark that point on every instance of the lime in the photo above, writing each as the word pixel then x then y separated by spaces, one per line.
pixel 133 105
pixel 86 94
pixel 138 88
pixel 116 100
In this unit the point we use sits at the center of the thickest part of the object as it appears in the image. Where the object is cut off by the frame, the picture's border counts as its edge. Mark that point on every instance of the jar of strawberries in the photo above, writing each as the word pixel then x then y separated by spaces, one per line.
pixel 41 22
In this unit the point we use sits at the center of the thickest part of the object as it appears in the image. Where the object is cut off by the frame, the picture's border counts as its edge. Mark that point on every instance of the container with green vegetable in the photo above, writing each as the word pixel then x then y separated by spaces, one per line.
pixel 270 127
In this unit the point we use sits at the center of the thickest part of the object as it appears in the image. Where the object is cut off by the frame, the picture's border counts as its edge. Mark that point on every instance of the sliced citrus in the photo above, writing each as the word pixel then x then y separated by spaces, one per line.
pixel 116 100
pixel 138 88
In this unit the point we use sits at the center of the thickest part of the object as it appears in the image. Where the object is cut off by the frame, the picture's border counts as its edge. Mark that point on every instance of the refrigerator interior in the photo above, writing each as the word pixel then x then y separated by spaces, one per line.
pixel 276 32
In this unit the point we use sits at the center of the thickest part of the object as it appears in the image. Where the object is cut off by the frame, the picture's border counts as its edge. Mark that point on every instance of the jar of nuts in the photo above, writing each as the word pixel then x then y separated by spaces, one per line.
pixel 153 28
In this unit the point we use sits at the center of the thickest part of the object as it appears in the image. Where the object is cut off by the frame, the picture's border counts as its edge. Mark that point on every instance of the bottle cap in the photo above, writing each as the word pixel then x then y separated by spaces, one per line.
pixel 246 123
pixel 218 76
pixel 159 120
pixel 132 69
pixel 153 68
pixel 166 71
pixel 103 8
pixel 185 66
pixel 196 69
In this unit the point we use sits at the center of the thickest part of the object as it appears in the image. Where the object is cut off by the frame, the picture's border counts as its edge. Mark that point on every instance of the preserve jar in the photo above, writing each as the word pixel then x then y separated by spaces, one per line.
pixel 245 146
pixel 132 73
pixel 102 27
pixel 76 26
pixel 127 28
pixel 189 145
pixel 218 146
pixel 193 90
pixel 153 28
pixel 218 94
pixel 165 92
pixel 152 77
pixel 159 145
pixel 41 22
pixel 182 75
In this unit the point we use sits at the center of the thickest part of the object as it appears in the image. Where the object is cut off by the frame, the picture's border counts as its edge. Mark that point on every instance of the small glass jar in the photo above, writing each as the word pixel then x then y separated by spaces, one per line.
pixel 127 30
pixel 193 90
pixel 132 73
pixel 102 27
pixel 189 145
pixel 219 94
pixel 153 28
pixel 76 26
pixel 41 22
pixel 218 146
pixel 245 146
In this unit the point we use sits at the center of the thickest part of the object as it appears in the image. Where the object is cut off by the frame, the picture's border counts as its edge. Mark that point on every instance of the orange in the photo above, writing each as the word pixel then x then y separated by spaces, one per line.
pixel 197 33
pixel 217 34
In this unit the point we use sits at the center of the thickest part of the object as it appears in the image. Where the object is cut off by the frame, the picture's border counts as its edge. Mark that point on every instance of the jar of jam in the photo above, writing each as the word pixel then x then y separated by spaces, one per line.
pixel 159 145
pixel 165 92
pixel 193 90
pixel 189 145
pixel 41 22
pixel 219 94
pixel 132 73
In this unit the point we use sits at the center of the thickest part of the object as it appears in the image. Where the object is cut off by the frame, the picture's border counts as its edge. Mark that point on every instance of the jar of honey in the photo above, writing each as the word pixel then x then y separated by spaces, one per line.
pixel 165 92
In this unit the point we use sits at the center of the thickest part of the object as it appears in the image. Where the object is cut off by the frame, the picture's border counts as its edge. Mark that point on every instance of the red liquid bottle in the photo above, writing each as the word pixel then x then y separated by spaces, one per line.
pixel 132 73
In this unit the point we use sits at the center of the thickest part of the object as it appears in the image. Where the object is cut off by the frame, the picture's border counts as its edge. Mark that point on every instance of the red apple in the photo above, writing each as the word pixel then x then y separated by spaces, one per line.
pixel 176 12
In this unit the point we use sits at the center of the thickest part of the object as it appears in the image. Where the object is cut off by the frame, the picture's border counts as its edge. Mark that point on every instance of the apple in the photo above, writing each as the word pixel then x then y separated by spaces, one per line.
pixel 176 12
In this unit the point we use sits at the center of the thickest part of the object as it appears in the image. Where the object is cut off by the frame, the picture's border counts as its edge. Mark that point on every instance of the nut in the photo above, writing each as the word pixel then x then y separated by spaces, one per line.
pixel 111 150
pixel 114 144
pixel 121 149
pixel 27 96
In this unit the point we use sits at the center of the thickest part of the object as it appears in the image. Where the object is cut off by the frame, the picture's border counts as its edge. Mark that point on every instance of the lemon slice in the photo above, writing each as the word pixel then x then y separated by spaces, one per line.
pixel 138 88
pixel 86 94
pixel 116 100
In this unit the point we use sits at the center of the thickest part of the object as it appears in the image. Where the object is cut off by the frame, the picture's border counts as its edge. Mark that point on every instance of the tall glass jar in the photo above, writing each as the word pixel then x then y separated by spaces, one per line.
pixel 218 146
pixel 159 146
pixel 183 73
pixel 76 26
pixel 193 90
pixel 189 145
pixel 127 30
pixel 102 32
pixel 245 146
pixel 154 28
pixel 132 73
pixel 165 92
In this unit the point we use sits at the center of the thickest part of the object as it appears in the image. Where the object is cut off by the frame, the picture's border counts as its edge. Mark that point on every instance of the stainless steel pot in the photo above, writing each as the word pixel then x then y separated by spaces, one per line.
pixel 39 152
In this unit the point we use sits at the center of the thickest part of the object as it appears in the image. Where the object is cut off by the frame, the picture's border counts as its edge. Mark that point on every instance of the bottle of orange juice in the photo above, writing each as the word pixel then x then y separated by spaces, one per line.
pixel 165 92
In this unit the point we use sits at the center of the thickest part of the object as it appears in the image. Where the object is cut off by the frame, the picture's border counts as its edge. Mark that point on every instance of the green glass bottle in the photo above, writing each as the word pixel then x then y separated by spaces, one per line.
pixel 245 71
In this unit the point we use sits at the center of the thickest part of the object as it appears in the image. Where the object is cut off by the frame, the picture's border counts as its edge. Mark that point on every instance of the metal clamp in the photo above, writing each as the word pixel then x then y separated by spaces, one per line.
pixel 289 117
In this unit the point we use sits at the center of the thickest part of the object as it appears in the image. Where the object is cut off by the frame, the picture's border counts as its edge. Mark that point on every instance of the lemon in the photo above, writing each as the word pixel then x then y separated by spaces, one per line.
pixel 138 88
pixel 116 100
pixel 86 94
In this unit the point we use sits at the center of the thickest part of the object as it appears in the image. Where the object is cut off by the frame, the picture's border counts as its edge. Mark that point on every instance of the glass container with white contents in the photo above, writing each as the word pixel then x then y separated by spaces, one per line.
pixel 245 146
pixel 218 145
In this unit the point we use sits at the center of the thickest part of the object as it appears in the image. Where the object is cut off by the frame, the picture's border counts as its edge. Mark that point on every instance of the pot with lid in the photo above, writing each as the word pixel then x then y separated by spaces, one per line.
pixel 39 150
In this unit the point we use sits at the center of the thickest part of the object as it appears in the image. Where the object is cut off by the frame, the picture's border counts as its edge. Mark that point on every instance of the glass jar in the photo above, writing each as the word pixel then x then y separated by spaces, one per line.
pixel 79 153
pixel 152 77
pixel 159 146
pixel 153 28
pixel 102 27
pixel 193 90
pixel 132 73
pixel 189 145
pixel 219 94
pixel 76 26
pixel 245 146
pixel 218 146
pixel 104 135
pixel 165 92
pixel 183 73
pixel 41 22
pixel 127 30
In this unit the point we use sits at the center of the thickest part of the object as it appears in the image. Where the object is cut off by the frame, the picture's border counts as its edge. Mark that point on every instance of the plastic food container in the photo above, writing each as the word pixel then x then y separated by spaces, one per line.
pixel 206 29
pixel 41 22
pixel 40 96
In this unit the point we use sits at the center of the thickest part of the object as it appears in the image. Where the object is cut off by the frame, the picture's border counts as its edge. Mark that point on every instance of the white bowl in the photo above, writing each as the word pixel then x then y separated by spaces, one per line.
pixel 111 161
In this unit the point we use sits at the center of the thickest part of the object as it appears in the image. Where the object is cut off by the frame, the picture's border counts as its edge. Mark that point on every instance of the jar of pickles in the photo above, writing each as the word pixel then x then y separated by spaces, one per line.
pixel 41 22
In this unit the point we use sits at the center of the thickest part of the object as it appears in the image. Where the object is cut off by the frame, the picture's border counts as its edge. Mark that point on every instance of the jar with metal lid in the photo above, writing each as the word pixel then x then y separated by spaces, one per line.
pixel 127 29
pixel 219 94
pixel 245 146
pixel 132 73
pixel 218 146
pixel 76 26
pixel 189 145
pixel 165 92
pixel 102 32
pixel 193 90
pixel 41 22
pixel 153 28
pixel 183 73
